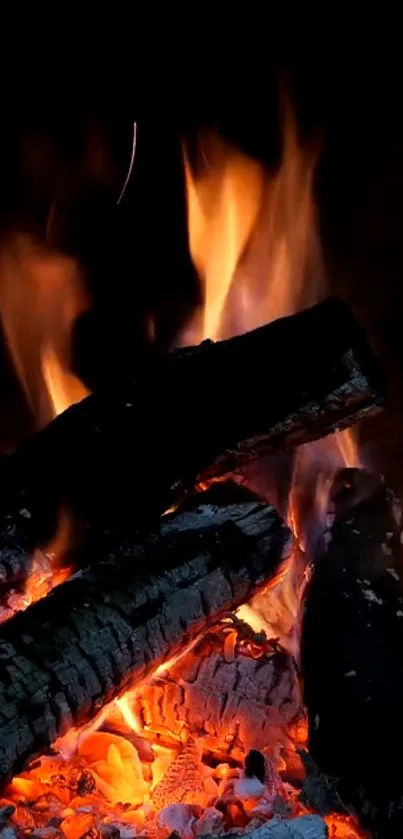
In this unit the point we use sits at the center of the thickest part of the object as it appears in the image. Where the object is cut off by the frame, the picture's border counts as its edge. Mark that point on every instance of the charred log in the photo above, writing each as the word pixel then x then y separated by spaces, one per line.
pixel 352 651
pixel 110 626
pixel 204 411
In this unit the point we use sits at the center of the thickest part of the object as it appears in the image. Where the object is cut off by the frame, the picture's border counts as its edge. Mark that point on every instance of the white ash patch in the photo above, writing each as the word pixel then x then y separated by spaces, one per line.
pixel 248 788
pixel 393 573
pixel 210 822
pixel 177 817
pixel 370 595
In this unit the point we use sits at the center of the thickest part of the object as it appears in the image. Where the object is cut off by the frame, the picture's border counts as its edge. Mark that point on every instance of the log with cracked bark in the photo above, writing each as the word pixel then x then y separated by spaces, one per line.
pixel 111 625
pixel 352 649
pixel 204 411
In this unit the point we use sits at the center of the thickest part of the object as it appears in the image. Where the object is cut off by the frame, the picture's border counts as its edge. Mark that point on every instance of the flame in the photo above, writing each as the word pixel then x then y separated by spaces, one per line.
pixel 130 718
pixel 277 611
pixel 253 240
pixel 315 465
pixel 223 206
pixel 47 572
pixel 64 389
pixel 252 236
pixel 41 295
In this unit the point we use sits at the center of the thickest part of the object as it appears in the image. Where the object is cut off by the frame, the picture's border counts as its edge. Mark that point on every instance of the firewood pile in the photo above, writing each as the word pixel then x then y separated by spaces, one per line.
pixel 133 698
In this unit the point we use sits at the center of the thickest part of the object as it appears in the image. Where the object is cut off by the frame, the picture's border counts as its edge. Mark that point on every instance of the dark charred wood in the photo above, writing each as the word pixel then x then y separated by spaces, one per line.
pixel 111 625
pixel 15 553
pixel 204 411
pixel 352 651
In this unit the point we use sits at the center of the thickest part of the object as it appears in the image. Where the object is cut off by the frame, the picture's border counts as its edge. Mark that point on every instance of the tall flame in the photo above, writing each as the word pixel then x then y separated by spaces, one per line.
pixel 223 207
pixel 41 295
pixel 252 236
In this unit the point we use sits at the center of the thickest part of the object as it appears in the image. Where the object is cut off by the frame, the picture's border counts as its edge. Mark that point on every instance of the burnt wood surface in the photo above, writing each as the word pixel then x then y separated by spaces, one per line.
pixel 234 700
pixel 352 651
pixel 109 626
pixel 125 456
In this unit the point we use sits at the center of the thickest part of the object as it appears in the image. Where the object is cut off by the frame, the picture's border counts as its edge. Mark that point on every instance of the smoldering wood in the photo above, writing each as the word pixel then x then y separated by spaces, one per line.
pixel 109 626
pixel 234 701
pixel 125 457
pixel 302 827
pixel 352 650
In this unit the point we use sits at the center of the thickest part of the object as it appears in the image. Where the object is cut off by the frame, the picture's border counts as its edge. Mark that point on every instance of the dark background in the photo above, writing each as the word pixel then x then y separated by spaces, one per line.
pixel 65 138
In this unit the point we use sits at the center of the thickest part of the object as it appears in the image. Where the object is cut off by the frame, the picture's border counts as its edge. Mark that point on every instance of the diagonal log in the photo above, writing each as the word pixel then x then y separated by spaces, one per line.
pixel 110 626
pixel 200 412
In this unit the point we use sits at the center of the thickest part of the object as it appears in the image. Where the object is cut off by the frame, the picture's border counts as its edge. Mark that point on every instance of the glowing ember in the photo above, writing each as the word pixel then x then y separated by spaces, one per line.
pixel 343 827
pixel 46 571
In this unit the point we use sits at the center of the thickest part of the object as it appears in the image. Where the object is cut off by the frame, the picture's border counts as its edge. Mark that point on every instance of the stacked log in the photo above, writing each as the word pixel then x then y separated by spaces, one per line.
pixel 121 459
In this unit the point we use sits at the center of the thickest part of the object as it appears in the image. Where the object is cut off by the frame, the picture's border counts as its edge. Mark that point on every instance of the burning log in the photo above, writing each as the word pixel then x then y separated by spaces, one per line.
pixel 119 458
pixel 352 650
pixel 110 626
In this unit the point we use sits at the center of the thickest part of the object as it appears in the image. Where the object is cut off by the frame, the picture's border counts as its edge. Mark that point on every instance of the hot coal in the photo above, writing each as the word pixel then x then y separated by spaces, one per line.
pixel 352 650
pixel 234 690
pixel 121 459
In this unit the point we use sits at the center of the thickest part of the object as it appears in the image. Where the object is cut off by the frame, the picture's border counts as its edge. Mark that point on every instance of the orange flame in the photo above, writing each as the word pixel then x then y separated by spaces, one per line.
pixel 252 237
pixel 41 295
pixel 223 205
pixel 314 467
pixel 47 572
pixel 253 240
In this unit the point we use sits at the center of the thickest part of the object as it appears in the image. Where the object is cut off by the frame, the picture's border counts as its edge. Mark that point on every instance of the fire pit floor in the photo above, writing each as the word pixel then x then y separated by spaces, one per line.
pixel 209 745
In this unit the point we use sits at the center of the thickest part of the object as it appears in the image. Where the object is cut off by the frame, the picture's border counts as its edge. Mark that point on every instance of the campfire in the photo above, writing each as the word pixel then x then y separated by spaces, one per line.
pixel 151 678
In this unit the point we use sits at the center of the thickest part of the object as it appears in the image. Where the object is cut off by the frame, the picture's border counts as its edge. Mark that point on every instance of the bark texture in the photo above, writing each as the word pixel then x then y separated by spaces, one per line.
pixel 111 625
pixel 352 650
pixel 125 457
